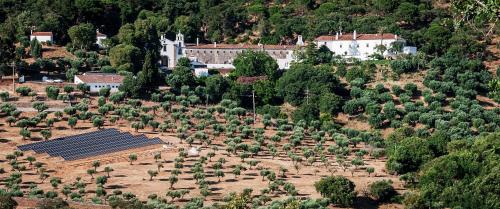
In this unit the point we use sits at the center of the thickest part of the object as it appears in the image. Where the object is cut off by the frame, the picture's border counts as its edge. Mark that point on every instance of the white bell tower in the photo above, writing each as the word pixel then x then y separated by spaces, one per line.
pixel 179 40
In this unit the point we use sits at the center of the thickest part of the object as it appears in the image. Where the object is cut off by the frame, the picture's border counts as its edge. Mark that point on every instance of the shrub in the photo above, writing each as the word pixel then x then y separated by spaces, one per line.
pixel 330 103
pixel 6 201
pixel 52 203
pixel 408 155
pixel 306 112
pixel 104 91
pixel 273 111
pixel 338 189
pixel 70 74
pixel 380 88
pixel 4 95
pixel 404 65
pixel 354 106
pixel 108 69
pixel 411 88
pixel 382 190
pixel 52 92
pixel 356 72
pixel 396 90
pixel 23 90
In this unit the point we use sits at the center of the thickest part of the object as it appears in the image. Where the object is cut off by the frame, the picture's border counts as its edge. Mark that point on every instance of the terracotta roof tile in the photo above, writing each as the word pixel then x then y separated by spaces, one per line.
pixel 349 36
pixel 243 46
pixel 42 34
pixel 101 34
pixel 250 80
pixel 100 78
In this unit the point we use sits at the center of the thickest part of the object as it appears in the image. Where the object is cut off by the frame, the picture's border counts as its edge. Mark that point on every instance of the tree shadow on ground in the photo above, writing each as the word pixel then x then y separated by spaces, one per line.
pixel 365 203
pixel 116 187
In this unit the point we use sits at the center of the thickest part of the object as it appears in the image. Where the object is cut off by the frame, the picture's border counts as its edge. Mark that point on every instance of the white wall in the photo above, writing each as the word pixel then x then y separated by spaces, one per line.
pixel 201 72
pixel 172 50
pixel 410 50
pixel 95 87
pixel 360 49
pixel 99 40
pixel 42 38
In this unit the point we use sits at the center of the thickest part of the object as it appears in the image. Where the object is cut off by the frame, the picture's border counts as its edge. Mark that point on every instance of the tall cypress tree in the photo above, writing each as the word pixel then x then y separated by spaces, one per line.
pixel 36 49
pixel 148 77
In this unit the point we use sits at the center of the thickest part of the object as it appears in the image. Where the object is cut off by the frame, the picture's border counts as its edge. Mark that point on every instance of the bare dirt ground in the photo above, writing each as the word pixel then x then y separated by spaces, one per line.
pixel 53 52
pixel 134 178
pixel 494 50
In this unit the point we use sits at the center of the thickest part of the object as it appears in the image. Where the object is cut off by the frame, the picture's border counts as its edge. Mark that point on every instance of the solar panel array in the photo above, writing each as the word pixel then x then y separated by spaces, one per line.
pixel 90 144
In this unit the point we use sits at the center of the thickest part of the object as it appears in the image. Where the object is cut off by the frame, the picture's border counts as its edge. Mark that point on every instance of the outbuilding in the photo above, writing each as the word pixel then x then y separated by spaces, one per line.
pixel 42 36
pixel 100 37
pixel 97 81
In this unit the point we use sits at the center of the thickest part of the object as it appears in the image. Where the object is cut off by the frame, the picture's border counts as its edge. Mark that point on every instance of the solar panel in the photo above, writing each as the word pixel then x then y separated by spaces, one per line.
pixel 90 144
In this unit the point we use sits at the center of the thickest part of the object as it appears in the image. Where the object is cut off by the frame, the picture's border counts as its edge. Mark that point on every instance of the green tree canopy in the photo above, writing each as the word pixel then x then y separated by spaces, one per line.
pixel 255 63
pixel 464 178
pixel 305 80
pixel 181 76
pixel 126 57
pixel 338 189
pixel 83 36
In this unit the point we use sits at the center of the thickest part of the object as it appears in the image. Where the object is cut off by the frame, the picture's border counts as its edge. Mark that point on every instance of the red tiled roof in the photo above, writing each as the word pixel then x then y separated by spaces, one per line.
pixel 101 34
pixel 243 46
pixel 41 34
pixel 100 78
pixel 349 36
pixel 250 80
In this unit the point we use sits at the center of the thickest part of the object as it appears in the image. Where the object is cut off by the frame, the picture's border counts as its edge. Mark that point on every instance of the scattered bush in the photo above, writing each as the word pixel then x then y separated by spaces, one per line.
pixel 52 92
pixel 338 189
pixel 23 90
pixel 382 190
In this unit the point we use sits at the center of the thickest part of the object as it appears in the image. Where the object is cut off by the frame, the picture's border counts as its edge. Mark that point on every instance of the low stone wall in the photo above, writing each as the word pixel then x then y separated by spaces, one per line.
pixel 24 202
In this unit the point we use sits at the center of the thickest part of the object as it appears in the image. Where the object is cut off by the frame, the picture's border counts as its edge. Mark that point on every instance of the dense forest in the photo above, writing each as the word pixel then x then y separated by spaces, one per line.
pixel 437 111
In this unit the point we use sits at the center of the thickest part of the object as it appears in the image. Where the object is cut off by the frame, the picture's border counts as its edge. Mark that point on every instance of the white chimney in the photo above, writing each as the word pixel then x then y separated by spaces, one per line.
pixel 300 42
pixel 337 36
pixel 396 36
pixel 354 35
pixel 197 41
pixel 215 44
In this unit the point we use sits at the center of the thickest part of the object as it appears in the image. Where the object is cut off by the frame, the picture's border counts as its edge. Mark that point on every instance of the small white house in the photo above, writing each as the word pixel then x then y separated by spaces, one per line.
pixel 359 46
pixel 99 39
pixel 410 50
pixel 42 36
pixel 97 81
pixel 200 69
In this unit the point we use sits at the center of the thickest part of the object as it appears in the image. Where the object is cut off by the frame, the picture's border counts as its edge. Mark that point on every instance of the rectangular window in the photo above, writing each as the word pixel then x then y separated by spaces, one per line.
pixel 340 45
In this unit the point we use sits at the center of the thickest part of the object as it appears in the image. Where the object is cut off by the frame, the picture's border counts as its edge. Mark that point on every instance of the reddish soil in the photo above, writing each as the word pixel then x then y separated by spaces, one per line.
pixel 134 178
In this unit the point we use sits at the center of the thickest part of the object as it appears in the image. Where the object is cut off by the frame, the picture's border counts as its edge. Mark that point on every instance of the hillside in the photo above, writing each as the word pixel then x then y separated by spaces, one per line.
pixel 360 120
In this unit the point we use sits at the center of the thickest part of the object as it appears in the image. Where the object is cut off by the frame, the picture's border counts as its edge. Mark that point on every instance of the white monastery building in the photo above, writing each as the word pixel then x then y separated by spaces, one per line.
pixel 99 38
pixel 221 56
pixel 361 46
pixel 42 36
pixel 96 81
